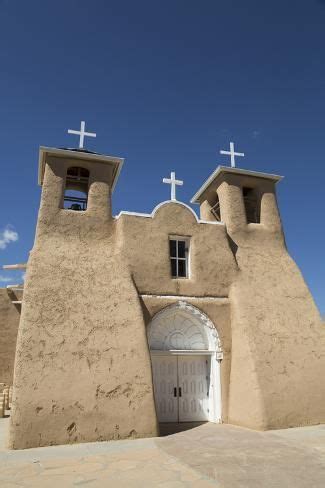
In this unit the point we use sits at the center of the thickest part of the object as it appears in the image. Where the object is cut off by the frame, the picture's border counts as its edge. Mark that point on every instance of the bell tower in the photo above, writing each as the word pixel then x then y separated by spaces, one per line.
pixel 76 191
pixel 82 368
pixel 238 198
pixel 277 333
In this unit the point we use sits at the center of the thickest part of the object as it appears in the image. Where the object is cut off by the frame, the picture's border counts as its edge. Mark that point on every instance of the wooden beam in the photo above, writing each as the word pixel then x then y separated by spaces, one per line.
pixel 15 266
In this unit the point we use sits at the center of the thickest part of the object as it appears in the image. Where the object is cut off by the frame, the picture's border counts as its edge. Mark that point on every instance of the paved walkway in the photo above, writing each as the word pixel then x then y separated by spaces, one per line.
pixel 210 455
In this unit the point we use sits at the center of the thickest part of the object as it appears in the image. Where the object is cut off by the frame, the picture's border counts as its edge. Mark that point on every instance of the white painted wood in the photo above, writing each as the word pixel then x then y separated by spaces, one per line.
pixel 182 388
pixel 15 266
pixel 182 326
pixel 173 183
pixel 82 133
pixel 182 331
pixel 183 352
pixel 215 391
pixel 232 154
pixel 189 298
pixel 194 390
pixel 164 370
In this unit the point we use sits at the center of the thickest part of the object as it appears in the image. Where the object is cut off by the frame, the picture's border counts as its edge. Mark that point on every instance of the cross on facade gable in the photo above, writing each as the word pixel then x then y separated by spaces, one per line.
pixel 232 154
pixel 173 183
pixel 81 133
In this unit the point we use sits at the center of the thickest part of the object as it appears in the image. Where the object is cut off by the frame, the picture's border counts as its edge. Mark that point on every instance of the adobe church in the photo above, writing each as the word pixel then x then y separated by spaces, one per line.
pixel 133 320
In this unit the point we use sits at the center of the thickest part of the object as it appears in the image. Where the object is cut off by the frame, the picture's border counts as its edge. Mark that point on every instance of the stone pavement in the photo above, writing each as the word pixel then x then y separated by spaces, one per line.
pixel 209 455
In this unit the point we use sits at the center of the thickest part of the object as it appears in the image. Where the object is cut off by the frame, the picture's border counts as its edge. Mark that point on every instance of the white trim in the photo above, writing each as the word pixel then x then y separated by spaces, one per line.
pixel 153 213
pixel 134 214
pixel 182 297
pixel 212 222
pixel 226 169
pixel 183 352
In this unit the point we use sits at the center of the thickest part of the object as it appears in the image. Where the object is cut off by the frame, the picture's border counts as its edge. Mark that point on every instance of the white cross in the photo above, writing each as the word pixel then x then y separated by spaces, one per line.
pixel 173 182
pixel 232 154
pixel 82 134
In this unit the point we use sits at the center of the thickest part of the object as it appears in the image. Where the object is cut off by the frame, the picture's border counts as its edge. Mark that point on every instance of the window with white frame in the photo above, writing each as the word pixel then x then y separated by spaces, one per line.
pixel 179 256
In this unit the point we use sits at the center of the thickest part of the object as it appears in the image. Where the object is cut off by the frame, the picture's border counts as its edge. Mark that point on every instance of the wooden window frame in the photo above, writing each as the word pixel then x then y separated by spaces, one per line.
pixel 186 240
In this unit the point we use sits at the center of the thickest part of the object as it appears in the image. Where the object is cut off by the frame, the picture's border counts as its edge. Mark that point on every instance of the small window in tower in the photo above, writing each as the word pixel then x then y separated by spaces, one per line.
pixel 251 206
pixel 76 189
pixel 179 256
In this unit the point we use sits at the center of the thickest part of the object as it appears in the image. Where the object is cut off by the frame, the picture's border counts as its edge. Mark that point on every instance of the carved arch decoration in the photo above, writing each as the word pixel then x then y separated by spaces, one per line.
pixel 181 326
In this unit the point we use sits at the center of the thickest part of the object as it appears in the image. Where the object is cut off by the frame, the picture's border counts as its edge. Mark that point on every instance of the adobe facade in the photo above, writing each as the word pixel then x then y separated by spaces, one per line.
pixel 110 343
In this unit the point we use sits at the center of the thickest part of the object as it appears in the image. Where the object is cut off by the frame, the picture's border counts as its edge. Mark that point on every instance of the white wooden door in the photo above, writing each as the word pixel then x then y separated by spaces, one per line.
pixel 165 387
pixel 194 387
pixel 181 387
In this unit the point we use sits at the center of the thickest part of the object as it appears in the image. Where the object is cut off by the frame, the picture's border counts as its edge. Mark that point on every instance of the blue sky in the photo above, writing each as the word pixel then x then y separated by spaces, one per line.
pixel 167 84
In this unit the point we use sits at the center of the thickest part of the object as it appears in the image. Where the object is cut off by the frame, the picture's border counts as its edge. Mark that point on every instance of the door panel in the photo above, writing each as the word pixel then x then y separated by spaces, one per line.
pixel 193 381
pixel 165 381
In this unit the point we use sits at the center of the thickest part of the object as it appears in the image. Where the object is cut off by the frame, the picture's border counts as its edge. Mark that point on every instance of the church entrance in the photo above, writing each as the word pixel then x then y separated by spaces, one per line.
pixel 181 385
pixel 185 356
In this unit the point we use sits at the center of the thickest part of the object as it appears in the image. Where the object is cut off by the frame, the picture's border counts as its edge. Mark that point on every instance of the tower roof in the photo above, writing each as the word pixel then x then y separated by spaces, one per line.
pixel 197 198
pixel 78 154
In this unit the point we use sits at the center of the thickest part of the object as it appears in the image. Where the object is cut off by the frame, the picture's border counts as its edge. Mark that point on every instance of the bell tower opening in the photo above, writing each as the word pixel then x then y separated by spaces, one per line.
pixel 243 197
pixel 215 209
pixel 76 189
pixel 252 207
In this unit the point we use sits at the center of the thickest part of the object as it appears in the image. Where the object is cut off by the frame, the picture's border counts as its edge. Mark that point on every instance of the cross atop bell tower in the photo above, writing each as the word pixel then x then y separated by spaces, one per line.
pixel 82 134
pixel 232 154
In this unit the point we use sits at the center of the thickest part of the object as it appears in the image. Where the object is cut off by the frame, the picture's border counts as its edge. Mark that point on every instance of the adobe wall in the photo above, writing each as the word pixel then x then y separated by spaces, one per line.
pixel 278 339
pixel 9 322
pixel 145 243
pixel 82 368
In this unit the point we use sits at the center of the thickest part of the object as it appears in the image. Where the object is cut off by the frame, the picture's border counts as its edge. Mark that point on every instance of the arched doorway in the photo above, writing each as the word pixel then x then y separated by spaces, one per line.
pixel 185 351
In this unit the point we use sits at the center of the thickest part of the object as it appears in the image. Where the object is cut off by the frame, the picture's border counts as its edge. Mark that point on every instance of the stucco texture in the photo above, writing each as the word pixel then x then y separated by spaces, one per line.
pixel 9 321
pixel 278 339
pixel 94 282
pixel 146 242
pixel 82 364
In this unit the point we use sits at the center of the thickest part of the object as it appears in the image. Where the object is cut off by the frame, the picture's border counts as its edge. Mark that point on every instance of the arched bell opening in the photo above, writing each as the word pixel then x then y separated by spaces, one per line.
pixel 185 354
pixel 76 189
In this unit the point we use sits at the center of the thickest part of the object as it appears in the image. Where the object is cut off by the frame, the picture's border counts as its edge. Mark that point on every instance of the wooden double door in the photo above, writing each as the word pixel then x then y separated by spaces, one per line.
pixel 181 387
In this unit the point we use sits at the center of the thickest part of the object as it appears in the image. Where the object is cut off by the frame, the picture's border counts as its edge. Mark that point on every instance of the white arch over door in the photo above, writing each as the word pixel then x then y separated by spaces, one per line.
pixel 183 330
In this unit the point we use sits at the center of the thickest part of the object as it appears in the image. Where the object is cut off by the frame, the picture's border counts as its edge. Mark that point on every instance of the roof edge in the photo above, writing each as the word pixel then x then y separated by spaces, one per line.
pixel 75 154
pixel 226 169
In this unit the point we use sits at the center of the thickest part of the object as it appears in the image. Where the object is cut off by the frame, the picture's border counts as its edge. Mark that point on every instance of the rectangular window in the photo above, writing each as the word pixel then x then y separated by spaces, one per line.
pixel 179 254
